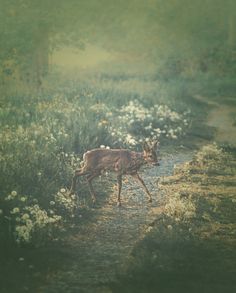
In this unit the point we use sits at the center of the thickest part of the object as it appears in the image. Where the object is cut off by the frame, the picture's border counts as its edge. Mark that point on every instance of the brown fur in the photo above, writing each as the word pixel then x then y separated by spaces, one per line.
pixel 120 161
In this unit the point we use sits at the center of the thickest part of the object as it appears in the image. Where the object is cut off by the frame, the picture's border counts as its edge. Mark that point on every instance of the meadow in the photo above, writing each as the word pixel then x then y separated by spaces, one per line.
pixel 44 134
pixel 43 137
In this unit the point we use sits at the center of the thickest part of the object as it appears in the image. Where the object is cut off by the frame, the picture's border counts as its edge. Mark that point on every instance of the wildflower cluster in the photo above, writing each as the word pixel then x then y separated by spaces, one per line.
pixel 132 123
pixel 30 222
pixel 65 202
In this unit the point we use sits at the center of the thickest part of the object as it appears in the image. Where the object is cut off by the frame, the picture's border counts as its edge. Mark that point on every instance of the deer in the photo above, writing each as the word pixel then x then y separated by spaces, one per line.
pixel 120 161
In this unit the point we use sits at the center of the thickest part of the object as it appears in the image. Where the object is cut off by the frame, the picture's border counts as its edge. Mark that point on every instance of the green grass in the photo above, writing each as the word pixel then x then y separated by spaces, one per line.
pixel 44 135
pixel 194 253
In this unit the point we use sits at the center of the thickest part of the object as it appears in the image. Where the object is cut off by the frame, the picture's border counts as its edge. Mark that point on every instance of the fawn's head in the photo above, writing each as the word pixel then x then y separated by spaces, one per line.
pixel 150 152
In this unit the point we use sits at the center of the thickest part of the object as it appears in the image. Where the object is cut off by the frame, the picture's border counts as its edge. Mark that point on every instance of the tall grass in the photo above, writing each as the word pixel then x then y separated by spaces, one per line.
pixel 43 136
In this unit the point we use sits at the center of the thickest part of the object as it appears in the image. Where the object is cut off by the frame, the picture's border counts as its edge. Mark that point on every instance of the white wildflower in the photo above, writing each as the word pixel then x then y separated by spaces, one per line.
pixel 73 196
pixel 25 217
pixel 21 259
pixel 130 140
pixel 9 197
pixel 14 193
pixel 15 211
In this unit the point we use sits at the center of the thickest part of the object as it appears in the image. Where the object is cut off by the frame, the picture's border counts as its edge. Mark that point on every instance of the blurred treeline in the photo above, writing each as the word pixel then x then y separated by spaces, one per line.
pixel 179 37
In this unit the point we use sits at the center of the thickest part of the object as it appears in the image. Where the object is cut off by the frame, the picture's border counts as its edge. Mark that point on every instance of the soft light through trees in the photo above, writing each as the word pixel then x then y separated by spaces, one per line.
pixel 165 32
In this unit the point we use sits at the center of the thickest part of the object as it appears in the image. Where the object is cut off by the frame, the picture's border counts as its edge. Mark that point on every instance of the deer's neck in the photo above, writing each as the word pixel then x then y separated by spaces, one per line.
pixel 137 160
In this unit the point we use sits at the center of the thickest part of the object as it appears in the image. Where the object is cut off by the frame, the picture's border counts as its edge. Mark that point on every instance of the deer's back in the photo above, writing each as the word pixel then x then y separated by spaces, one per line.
pixel 118 160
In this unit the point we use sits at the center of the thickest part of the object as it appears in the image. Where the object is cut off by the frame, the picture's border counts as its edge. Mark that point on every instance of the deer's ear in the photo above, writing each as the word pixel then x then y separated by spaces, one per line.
pixel 146 146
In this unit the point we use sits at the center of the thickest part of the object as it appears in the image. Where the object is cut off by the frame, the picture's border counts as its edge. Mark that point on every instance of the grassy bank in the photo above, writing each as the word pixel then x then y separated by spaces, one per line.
pixel 191 247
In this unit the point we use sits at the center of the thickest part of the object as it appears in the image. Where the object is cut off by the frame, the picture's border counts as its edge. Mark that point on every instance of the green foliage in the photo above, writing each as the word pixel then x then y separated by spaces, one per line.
pixel 212 159
pixel 44 137
pixel 180 208
pixel 180 37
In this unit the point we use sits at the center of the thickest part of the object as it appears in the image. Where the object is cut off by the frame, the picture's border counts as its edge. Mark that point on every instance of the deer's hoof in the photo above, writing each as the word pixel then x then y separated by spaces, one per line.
pixel 150 200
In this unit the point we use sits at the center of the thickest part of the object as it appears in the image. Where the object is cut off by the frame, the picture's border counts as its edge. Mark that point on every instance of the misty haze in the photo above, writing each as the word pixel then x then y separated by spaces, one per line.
pixel 118 146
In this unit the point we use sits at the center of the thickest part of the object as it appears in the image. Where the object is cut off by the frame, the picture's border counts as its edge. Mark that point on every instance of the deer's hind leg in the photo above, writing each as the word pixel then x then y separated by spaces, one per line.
pixel 119 183
pixel 140 180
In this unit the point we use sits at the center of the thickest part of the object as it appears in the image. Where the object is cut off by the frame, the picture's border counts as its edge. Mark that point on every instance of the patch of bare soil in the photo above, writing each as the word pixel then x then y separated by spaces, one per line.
pixel 221 118
pixel 90 259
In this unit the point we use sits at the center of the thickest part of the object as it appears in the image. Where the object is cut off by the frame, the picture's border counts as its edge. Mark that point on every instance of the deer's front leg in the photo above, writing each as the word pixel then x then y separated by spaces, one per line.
pixel 140 180
pixel 74 181
pixel 119 184
pixel 91 190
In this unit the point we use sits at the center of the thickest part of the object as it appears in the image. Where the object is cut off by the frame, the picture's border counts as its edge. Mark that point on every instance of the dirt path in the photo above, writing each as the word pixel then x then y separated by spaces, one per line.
pixel 89 260
pixel 221 117
pixel 103 244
